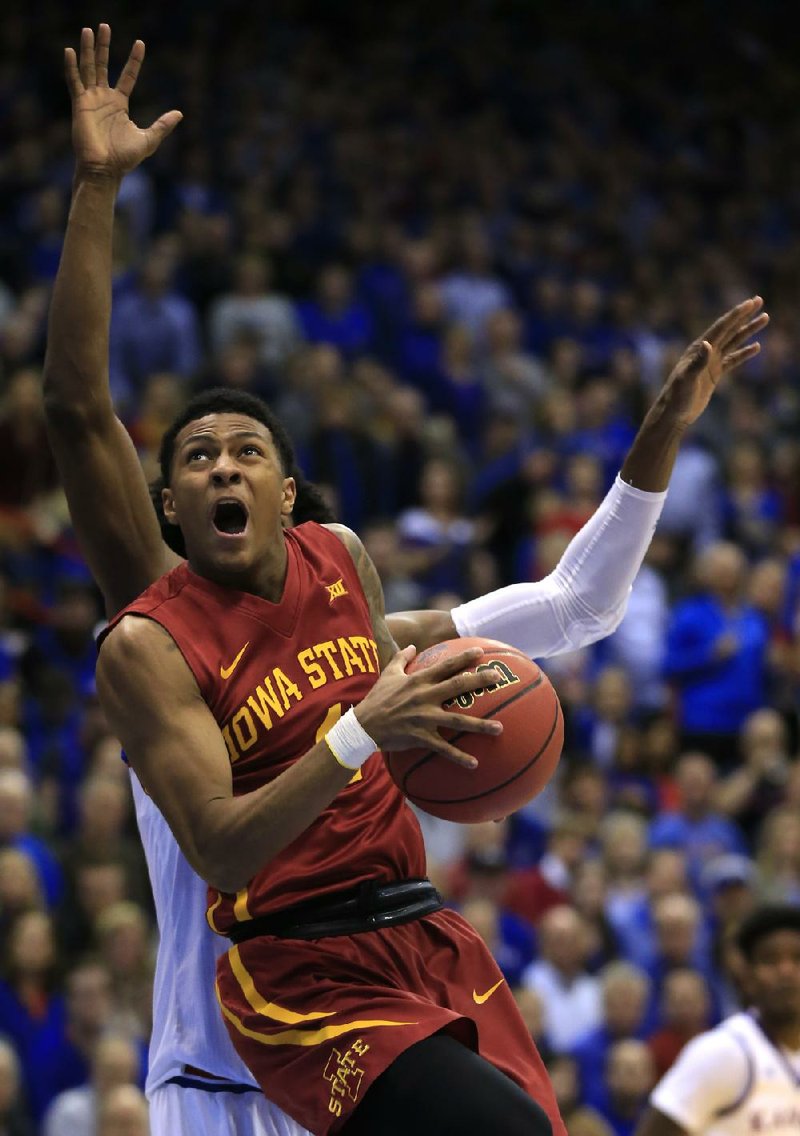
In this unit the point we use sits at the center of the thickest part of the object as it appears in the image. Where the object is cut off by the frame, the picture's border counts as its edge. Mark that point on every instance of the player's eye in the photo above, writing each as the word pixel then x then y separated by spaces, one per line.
pixel 195 455
pixel 249 450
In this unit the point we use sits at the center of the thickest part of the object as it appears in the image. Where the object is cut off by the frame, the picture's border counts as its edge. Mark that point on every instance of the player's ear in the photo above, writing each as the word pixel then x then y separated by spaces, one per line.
pixel 168 505
pixel 289 495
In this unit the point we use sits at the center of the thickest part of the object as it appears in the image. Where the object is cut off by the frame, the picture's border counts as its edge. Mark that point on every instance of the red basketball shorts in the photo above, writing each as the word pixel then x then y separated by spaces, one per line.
pixel 317 1022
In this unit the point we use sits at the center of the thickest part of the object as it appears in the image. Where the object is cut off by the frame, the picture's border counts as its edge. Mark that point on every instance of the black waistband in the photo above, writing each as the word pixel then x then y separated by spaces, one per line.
pixel 368 907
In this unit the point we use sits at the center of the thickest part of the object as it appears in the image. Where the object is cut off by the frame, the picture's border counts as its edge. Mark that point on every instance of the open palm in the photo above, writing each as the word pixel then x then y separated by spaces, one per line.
pixel 719 350
pixel 103 136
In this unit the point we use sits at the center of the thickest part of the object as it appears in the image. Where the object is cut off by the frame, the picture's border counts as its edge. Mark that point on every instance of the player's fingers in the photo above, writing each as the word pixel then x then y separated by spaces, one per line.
pixel 467 724
pixel 721 328
pixel 437 743
pixel 735 359
pixel 130 72
pixel 71 73
pixel 451 665
pixel 161 128
pixel 472 682
pixel 101 54
pixel 747 332
pixel 86 63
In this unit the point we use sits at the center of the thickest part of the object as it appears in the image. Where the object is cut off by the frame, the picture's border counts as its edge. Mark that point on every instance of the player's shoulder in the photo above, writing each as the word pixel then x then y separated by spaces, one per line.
pixel 725 1042
pixel 133 641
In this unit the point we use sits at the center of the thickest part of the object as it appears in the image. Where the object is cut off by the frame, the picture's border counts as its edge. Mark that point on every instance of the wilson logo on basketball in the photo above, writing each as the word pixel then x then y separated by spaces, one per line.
pixel 508 678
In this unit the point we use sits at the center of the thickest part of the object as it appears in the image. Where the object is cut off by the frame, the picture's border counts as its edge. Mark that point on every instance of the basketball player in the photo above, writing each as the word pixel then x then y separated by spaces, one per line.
pixel 743 1077
pixel 583 599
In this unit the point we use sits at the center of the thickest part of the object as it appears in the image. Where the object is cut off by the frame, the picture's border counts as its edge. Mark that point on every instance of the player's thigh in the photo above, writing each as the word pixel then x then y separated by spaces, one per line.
pixel 179 1111
pixel 438 1087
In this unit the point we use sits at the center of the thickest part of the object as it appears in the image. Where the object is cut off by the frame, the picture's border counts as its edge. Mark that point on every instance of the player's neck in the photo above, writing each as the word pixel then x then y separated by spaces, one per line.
pixel 266 579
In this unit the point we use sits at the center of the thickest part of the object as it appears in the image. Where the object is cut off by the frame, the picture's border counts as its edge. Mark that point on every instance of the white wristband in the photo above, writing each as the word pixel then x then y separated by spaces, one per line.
pixel 349 742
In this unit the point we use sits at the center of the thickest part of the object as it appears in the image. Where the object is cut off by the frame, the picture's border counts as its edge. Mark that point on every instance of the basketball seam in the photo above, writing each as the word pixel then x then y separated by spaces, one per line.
pixel 501 784
pixel 431 753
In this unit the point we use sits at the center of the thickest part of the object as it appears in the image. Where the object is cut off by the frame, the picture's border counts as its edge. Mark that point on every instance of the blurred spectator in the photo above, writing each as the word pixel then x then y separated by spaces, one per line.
pixel 695 826
pixel 123 937
pixel 27 467
pixel 76 1111
pixel 531 892
pixel 471 291
pixel 716 655
pixel 123 1112
pixel 512 952
pixel 20 889
pixel 438 533
pixel 14 1119
pixel 685 1012
pixel 625 991
pixel 16 817
pixel 580 1119
pixel 531 1007
pixel 335 315
pixel 512 377
pixel 153 329
pixel 680 939
pixel 254 308
pixel 630 1075
pixel 570 995
pixel 31 1009
pixel 778 856
pixel 752 510
pixel 610 709
pixel 692 514
pixel 62 1055
pixel 758 783
pixel 639 642
pixel 401 592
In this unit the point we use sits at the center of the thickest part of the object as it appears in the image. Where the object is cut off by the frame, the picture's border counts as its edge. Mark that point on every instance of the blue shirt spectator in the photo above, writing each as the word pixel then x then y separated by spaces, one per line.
pixel 716 653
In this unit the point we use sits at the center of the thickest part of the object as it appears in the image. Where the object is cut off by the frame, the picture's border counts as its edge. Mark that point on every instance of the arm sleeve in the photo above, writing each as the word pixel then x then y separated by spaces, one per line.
pixel 585 597
pixel 711 1074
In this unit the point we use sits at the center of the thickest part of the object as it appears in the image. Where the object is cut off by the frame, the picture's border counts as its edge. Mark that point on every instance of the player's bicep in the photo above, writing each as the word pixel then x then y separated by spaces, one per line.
pixel 168 733
pixel 373 590
pixel 109 502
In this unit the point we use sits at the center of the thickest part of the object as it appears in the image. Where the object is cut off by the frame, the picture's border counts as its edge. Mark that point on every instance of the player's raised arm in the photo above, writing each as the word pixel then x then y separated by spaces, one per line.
pixel 105 486
pixel 585 596
pixel 178 752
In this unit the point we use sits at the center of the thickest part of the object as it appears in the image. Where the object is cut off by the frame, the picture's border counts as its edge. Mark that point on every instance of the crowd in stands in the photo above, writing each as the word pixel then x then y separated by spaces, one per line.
pixel 458 253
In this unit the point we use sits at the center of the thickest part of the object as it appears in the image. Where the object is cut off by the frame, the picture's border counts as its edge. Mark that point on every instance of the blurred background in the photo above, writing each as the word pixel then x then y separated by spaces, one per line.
pixel 457 248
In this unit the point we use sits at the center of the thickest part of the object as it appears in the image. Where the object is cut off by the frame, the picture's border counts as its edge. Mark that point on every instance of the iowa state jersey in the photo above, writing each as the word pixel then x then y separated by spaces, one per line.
pixel 276 676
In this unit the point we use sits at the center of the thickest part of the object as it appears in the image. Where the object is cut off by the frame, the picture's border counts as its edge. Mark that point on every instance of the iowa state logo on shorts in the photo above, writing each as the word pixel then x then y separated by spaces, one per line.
pixel 344 1075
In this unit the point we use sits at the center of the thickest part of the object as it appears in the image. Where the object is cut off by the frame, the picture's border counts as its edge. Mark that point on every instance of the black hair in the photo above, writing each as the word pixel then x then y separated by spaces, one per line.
pixel 765 921
pixel 222 400
pixel 309 505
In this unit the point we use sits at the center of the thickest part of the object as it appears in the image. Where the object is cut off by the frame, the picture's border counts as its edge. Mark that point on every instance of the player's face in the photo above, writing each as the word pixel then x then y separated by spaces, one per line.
pixel 774 976
pixel 228 494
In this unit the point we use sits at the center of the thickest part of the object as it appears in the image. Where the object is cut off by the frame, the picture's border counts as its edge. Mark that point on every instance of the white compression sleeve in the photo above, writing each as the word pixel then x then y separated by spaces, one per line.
pixel 585 597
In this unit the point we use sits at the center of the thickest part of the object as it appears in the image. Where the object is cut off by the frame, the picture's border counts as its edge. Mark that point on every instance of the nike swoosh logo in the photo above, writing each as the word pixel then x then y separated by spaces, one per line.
pixel 479 999
pixel 226 672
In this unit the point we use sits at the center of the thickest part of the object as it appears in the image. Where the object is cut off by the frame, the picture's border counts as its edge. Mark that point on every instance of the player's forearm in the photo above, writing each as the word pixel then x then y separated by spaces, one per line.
pixel 651 458
pixel 76 364
pixel 240 835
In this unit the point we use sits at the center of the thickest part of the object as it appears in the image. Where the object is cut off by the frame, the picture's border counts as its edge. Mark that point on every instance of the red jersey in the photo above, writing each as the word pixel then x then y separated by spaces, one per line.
pixel 276 676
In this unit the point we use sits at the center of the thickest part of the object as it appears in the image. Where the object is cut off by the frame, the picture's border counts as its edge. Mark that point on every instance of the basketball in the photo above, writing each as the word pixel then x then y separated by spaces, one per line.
pixel 512 767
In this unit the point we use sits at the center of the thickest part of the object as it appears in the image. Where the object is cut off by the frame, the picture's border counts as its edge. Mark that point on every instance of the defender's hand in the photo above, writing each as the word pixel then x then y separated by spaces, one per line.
pixel 720 349
pixel 403 711
pixel 104 138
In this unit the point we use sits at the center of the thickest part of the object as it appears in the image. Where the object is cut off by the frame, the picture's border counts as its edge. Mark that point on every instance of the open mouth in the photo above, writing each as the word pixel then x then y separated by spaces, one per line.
pixel 230 517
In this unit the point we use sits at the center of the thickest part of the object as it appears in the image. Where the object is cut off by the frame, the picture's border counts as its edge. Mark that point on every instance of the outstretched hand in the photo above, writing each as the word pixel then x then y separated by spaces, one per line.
pixel 719 350
pixel 104 138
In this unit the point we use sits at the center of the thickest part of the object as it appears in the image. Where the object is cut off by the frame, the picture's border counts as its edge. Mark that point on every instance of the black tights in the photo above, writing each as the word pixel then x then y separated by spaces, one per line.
pixel 438 1087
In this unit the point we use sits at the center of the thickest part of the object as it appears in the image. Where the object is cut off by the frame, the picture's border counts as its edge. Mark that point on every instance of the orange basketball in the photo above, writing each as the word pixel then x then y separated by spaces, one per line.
pixel 513 766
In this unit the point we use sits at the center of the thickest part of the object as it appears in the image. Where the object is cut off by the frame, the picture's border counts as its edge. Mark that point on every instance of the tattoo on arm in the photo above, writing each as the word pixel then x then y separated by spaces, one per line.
pixel 373 590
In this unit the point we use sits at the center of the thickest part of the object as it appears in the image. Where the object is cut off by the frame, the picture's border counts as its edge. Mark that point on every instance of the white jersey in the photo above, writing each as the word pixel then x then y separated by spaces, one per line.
pixel 188 1028
pixel 732 1081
